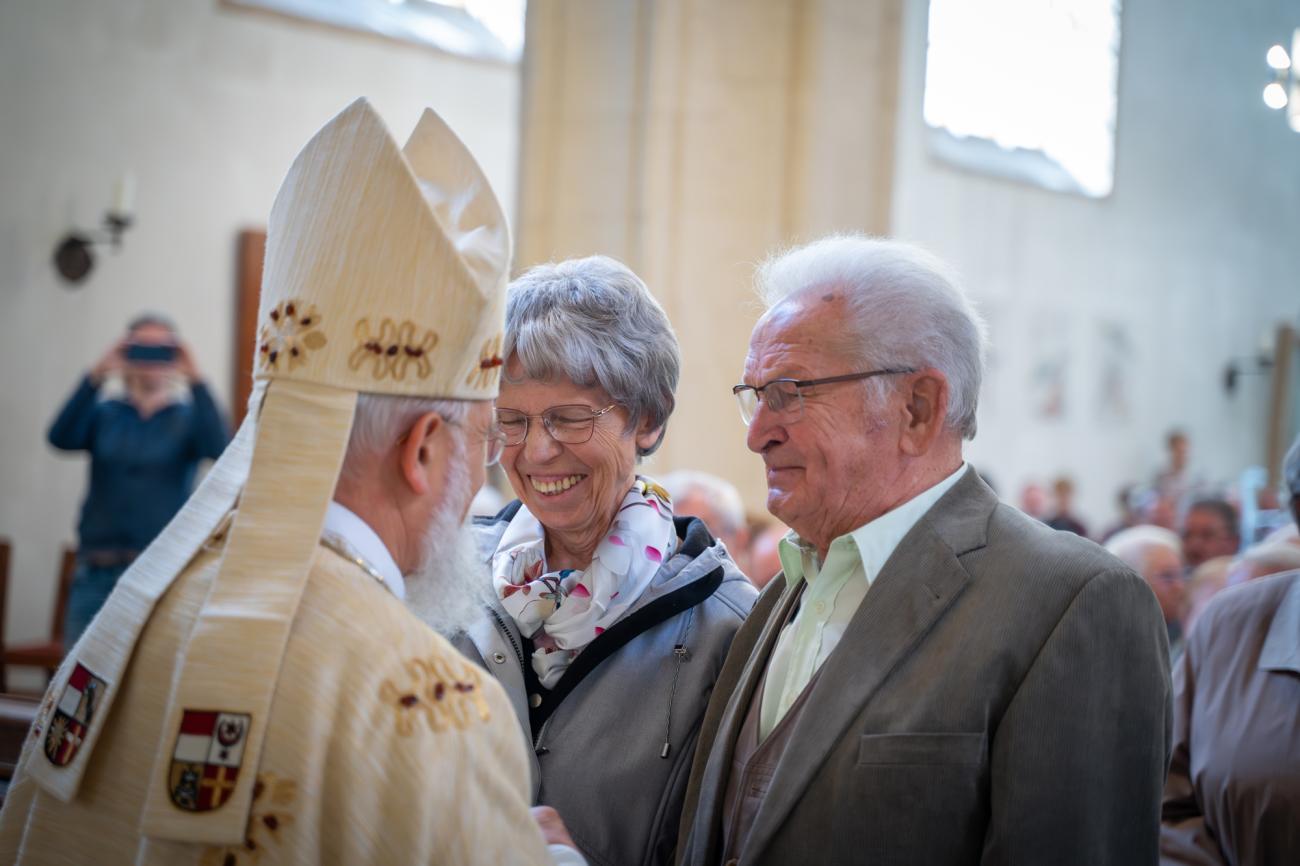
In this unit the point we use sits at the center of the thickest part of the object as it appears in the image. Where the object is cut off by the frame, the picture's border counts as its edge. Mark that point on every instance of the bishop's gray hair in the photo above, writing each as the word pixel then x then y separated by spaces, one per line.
pixel 907 310
pixel 594 322
pixel 379 420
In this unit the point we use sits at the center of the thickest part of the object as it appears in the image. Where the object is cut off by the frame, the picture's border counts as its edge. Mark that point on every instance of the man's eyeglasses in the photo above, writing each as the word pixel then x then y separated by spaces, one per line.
pixel 785 396
pixel 570 425
pixel 494 439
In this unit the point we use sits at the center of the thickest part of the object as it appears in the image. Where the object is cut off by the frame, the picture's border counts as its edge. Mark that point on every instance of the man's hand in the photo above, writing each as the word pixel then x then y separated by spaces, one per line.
pixel 111 362
pixel 185 363
pixel 552 827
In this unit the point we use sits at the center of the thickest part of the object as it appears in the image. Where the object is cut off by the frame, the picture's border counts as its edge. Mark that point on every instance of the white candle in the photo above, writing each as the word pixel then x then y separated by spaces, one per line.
pixel 124 194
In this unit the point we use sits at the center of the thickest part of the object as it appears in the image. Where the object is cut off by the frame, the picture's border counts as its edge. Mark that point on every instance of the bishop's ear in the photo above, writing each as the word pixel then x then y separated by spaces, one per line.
pixel 420 451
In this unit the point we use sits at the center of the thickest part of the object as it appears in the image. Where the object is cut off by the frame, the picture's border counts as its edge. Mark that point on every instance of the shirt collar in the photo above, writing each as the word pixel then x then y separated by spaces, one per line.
pixel 874 542
pixel 343 526
pixel 1281 649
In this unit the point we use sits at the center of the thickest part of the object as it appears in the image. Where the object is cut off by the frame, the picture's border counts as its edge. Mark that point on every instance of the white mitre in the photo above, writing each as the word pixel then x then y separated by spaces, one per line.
pixel 385 272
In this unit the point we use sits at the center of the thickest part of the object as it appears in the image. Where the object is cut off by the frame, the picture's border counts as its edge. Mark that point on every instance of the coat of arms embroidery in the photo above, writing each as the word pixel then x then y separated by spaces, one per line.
pixel 205 763
pixel 72 715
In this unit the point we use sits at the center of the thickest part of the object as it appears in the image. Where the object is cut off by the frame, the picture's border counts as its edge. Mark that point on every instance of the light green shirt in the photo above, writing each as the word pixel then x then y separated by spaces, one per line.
pixel 835 590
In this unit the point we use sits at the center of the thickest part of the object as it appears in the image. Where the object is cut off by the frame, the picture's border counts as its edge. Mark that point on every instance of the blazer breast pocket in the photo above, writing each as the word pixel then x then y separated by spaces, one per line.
pixel 921 750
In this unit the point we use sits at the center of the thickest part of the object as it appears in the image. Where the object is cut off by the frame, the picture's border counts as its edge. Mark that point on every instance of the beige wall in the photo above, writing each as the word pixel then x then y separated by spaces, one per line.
pixel 208 105
pixel 690 139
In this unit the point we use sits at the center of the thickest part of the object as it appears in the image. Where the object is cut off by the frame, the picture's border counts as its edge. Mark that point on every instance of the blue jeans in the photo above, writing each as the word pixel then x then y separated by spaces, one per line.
pixel 90 587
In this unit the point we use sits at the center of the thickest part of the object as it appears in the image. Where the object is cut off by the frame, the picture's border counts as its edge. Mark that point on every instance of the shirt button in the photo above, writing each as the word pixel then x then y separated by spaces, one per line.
pixel 499 658
pixel 534 701
pixel 820 607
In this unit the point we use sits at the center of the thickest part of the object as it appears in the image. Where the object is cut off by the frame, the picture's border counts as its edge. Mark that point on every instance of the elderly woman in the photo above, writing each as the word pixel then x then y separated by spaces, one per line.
pixel 612 617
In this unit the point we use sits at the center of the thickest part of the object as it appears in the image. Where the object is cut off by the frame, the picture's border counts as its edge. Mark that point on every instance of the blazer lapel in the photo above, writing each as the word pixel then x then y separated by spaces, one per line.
pixel 918 583
pixel 706 838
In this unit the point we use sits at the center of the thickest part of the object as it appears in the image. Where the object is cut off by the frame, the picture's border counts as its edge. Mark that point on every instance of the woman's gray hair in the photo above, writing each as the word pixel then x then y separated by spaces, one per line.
pixel 908 310
pixel 594 322
pixel 379 420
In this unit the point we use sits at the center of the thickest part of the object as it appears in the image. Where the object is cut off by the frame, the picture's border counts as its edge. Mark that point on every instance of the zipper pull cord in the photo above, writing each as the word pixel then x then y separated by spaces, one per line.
pixel 681 655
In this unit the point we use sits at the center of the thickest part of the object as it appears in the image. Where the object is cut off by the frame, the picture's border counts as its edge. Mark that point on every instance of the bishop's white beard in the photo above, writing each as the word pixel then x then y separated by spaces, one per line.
pixel 451 587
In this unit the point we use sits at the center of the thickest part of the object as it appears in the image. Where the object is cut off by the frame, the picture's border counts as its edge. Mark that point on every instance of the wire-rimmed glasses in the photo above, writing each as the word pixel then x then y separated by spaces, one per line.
pixel 785 396
pixel 571 424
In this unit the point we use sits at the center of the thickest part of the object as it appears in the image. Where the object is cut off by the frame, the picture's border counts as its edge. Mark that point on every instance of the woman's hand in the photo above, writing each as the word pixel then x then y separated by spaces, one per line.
pixel 552 826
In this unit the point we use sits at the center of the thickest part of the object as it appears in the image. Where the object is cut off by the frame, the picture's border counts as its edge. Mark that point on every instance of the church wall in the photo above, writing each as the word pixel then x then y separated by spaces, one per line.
pixel 208 106
pixel 1194 257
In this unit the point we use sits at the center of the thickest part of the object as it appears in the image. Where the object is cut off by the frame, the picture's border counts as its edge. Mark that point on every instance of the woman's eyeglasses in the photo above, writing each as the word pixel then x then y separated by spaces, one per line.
pixel 570 425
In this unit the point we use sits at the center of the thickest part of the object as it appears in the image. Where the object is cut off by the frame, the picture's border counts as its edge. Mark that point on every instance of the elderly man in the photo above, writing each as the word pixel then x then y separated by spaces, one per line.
pixel 1233 791
pixel 936 678
pixel 1209 530
pixel 717 502
pixel 1157 555
pixel 256 690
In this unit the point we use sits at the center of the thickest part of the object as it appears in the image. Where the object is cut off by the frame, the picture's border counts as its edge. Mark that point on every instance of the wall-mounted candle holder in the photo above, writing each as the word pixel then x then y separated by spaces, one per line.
pixel 74 256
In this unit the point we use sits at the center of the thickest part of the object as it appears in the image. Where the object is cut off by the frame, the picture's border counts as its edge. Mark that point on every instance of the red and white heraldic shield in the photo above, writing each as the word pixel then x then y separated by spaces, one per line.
pixel 205 764
pixel 72 715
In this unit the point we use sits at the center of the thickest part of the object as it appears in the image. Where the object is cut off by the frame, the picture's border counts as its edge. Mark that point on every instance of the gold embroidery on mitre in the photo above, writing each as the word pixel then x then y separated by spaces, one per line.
pixel 489 365
pixel 442 696
pixel 393 349
pixel 272 797
pixel 290 334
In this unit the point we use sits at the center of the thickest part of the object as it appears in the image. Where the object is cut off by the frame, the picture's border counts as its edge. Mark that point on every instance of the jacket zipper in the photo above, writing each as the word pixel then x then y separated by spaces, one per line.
pixel 519 656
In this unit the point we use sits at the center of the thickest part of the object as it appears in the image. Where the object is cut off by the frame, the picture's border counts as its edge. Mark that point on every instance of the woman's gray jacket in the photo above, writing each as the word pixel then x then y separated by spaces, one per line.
pixel 611 744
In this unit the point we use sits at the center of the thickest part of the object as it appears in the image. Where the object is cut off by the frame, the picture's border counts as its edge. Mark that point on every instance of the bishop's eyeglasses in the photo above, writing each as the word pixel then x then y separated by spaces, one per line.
pixel 569 424
pixel 785 396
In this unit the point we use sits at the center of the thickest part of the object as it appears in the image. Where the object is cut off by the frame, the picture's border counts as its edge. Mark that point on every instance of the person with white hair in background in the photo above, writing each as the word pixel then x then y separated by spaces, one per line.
pixel 935 678
pixel 611 612
pixel 1205 582
pixel 259 688
pixel 765 552
pixel 1233 793
pixel 1262 560
pixel 717 502
pixel 1156 553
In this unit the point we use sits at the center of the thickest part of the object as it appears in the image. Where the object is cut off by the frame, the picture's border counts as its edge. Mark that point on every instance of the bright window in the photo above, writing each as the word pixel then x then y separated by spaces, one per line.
pixel 1026 89
pixel 484 29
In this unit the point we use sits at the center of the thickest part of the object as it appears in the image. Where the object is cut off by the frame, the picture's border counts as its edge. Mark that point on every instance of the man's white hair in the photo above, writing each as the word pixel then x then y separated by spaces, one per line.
pixel 907 311
pixel 381 419
pixel 721 493
pixel 1131 545
pixel 1265 559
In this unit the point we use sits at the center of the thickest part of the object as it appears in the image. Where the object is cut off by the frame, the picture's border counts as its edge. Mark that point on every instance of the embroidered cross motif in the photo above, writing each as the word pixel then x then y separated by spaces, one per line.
pixel 273 798
pixel 290 334
pixel 434 691
pixel 393 349
pixel 487 372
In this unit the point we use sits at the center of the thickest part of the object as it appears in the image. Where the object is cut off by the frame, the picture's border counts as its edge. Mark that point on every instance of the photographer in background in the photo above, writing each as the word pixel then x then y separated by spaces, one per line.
pixel 145 443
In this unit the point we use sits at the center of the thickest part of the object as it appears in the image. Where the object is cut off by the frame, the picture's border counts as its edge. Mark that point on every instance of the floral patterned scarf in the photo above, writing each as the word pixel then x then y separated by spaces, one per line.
pixel 571 607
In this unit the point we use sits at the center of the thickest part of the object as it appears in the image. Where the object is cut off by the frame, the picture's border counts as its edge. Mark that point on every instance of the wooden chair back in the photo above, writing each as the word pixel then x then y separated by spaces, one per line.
pixel 6 548
pixel 67 570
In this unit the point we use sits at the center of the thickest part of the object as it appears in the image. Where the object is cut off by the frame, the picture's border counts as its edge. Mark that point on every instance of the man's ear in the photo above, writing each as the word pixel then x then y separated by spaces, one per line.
pixel 418 450
pixel 925 408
